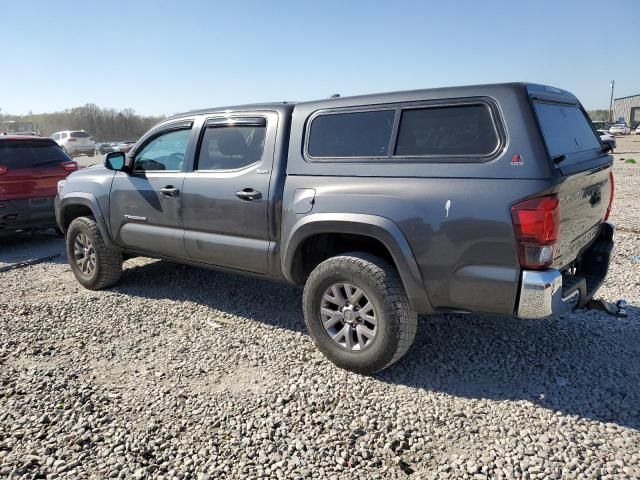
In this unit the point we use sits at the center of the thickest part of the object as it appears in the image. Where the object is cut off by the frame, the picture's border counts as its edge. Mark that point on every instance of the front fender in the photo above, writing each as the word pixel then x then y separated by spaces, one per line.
pixel 74 199
pixel 380 228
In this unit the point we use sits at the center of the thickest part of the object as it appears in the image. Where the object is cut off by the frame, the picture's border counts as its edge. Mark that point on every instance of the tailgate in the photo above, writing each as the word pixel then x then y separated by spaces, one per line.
pixel 584 199
pixel 584 169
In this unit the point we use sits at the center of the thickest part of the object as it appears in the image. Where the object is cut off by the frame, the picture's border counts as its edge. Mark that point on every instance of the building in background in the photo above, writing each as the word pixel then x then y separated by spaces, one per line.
pixel 627 108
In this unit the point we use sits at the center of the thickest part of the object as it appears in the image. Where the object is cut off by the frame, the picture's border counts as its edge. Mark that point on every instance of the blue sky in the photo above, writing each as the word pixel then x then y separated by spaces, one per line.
pixel 166 57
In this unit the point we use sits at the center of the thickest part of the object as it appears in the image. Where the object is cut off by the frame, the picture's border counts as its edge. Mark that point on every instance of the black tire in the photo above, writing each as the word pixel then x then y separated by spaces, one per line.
pixel 107 267
pixel 380 282
pixel 91 154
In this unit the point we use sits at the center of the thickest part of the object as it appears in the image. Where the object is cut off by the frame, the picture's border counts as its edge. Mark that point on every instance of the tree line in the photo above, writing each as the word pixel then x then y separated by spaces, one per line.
pixel 104 124
pixel 598 115
pixel 109 124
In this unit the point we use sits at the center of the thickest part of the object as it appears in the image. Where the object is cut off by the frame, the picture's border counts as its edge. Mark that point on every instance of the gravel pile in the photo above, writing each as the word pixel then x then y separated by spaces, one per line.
pixel 185 373
pixel 626 213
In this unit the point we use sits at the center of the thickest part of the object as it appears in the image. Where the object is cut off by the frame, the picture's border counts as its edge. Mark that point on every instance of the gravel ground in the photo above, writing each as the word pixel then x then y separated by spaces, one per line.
pixel 179 372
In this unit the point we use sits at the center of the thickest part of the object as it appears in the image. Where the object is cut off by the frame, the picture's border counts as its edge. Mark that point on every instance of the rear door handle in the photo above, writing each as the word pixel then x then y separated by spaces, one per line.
pixel 249 194
pixel 170 191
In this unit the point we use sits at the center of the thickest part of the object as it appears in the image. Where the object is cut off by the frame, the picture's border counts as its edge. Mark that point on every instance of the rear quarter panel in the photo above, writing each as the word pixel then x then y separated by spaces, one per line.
pixel 466 253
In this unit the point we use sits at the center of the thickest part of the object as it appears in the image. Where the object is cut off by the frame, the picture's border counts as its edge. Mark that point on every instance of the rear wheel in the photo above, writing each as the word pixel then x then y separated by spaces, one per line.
pixel 94 265
pixel 358 313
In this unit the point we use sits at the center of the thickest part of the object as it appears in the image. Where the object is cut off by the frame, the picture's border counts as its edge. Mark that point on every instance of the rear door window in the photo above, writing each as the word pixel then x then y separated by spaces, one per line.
pixel 566 130
pixel 80 135
pixel 355 134
pixel 231 147
pixel 30 154
pixel 448 131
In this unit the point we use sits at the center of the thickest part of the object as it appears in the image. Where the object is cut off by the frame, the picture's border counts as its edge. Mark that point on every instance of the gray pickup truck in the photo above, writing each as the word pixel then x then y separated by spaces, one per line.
pixel 490 198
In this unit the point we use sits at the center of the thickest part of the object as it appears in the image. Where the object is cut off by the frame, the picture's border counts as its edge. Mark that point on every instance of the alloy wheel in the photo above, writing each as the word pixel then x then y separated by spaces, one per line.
pixel 84 254
pixel 348 316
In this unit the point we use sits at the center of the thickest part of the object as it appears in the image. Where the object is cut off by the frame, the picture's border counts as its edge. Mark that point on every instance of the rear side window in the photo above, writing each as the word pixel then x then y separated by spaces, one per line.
pixel 565 128
pixel 80 134
pixel 30 154
pixel 231 147
pixel 357 134
pixel 464 130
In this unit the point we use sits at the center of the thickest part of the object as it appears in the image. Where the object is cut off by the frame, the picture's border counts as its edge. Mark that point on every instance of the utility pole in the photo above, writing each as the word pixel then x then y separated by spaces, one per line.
pixel 613 84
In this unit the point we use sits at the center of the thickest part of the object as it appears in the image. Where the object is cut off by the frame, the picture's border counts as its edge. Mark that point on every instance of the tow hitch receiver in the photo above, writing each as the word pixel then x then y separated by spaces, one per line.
pixel 618 309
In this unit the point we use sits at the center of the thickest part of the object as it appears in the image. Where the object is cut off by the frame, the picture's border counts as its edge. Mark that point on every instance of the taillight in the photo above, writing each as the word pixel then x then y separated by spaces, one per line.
pixel 73 139
pixel 606 215
pixel 69 166
pixel 536 223
pixel 3 169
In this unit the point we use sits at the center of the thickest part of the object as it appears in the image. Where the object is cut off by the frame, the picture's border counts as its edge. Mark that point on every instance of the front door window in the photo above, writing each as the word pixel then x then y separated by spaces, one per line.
pixel 164 153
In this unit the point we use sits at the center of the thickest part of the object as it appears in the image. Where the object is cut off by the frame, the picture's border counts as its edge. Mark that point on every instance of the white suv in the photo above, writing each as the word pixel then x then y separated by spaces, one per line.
pixel 75 142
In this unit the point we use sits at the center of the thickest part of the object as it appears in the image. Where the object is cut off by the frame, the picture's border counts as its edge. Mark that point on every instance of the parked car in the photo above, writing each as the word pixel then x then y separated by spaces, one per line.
pixel 638 130
pixel 103 148
pixel 75 142
pixel 30 168
pixel 607 138
pixel 27 134
pixel 620 129
pixel 124 146
pixel 382 206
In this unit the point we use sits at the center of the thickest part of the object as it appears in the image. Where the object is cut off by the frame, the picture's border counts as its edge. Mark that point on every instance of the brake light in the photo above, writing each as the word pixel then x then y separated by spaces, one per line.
pixel 73 139
pixel 69 166
pixel 606 215
pixel 536 223
pixel 3 169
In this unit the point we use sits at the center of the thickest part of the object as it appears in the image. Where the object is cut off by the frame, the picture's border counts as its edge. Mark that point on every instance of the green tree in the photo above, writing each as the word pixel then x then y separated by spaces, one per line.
pixel 598 115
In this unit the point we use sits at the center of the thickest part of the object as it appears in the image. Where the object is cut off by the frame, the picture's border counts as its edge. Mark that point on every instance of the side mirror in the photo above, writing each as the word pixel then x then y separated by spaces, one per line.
pixel 115 161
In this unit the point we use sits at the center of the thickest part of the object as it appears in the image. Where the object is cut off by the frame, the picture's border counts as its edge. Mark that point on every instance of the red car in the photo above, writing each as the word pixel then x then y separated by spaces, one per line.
pixel 30 168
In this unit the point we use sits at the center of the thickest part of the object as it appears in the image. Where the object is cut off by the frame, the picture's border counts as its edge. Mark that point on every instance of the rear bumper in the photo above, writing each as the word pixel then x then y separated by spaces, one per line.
pixel 79 148
pixel 550 292
pixel 27 214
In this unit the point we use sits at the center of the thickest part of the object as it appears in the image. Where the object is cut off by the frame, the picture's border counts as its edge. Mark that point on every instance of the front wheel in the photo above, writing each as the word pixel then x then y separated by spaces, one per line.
pixel 358 313
pixel 94 265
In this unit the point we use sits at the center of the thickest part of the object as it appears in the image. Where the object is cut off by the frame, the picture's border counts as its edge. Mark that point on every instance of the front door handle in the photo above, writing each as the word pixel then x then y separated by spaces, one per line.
pixel 249 194
pixel 170 191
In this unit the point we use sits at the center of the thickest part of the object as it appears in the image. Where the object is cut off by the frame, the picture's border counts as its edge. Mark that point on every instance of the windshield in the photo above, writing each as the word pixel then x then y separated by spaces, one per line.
pixel 566 129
